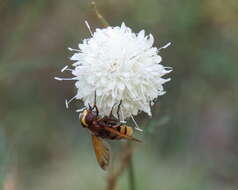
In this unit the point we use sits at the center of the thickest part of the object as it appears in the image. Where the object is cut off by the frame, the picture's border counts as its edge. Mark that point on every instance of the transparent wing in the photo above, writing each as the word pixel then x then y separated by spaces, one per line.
pixel 102 151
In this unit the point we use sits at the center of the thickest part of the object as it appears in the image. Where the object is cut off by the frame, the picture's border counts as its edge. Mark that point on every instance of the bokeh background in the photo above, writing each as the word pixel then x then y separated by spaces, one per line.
pixel 190 143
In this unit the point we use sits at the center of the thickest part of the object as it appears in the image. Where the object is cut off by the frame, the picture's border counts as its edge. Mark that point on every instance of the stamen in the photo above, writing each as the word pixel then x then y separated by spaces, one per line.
pixel 137 127
pixel 60 79
pixel 132 95
pixel 142 91
pixel 66 104
pixel 123 120
pixel 86 22
pixel 57 78
pixel 165 46
pixel 71 70
pixel 64 68
pixel 100 103
pixel 136 99
pixel 72 99
pixel 80 110
pixel 71 49
pixel 169 69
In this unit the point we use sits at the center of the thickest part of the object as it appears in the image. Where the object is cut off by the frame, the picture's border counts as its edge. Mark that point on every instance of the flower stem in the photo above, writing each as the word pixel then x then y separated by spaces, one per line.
pixel 100 17
pixel 131 175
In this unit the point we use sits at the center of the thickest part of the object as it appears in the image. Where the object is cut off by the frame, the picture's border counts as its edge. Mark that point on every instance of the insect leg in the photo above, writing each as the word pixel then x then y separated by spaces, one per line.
pixel 110 114
pixel 118 110
pixel 97 112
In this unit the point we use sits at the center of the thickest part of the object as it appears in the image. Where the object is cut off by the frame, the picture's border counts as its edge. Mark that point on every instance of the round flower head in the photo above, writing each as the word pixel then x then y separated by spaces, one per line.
pixel 118 65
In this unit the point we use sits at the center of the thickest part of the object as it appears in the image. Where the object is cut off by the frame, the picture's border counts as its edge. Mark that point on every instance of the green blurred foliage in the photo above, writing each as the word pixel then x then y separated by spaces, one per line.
pixel 190 142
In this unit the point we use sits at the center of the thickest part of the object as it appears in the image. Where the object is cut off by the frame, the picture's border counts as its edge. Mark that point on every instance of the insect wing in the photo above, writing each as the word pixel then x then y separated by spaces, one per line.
pixel 102 151
pixel 121 135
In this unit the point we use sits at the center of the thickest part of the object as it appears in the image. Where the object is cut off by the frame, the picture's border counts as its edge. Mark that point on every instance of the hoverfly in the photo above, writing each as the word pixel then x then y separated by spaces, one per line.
pixel 101 128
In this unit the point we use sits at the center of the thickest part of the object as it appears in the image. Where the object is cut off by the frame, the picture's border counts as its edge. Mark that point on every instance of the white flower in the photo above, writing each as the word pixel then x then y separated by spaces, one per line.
pixel 119 65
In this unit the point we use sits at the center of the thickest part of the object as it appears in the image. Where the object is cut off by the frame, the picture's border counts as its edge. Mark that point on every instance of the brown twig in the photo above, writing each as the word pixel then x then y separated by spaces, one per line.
pixel 113 176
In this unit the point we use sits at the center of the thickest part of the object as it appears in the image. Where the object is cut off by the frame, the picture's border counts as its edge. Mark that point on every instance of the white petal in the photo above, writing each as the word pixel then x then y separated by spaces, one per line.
pixel 141 34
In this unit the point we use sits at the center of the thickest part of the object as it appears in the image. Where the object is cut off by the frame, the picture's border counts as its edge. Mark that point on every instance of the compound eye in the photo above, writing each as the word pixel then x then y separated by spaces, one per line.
pixel 82 118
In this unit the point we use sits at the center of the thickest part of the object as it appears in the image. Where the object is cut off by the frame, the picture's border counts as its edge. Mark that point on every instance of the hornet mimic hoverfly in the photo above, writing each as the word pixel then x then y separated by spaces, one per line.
pixel 106 127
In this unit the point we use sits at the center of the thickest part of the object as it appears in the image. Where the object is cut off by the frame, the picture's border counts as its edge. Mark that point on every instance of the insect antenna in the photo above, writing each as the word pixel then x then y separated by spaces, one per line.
pixel 90 107
pixel 81 109
pixel 88 26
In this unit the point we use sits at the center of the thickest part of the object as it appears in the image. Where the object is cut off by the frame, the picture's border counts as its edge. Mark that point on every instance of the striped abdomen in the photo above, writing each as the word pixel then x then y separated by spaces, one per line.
pixel 124 130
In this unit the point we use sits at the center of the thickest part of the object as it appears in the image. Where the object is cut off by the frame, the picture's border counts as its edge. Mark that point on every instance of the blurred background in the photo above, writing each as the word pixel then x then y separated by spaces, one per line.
pixel 189 143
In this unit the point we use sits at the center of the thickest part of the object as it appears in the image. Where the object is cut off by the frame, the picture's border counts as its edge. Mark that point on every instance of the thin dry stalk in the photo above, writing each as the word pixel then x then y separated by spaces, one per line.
pixel 114 175
pixel 100 17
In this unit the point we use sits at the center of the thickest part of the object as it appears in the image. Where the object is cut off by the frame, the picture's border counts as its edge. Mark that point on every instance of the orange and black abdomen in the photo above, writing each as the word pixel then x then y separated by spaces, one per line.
pixel 124 130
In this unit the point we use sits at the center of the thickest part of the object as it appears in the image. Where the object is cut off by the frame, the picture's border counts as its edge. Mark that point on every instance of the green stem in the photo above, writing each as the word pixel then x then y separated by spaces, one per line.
pixel 131 172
